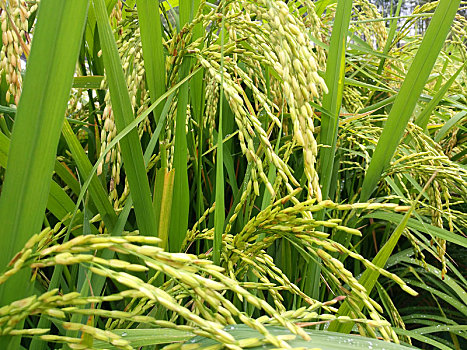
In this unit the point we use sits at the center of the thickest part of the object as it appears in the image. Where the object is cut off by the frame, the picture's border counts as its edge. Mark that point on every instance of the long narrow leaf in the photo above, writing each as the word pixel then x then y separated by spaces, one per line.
pixel 434 231
pixel 153 51
pixel 335 73
pixel 219 214
pixel 392 32
pixel 132 153
pixel 181 197
pixel 323 340
pixel 424 116
pixel 146 337
pixel 409 93
pixel 333 100
pixel 58 202
pixel 98 193
pixel 36 133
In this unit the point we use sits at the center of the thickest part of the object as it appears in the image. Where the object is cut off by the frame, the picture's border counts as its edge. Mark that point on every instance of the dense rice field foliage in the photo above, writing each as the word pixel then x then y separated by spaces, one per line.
pixel 232 174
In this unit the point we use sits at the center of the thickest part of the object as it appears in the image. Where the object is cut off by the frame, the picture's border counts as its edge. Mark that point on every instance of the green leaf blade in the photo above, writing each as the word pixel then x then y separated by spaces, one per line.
pixel 132 152
pixel 409 94
pixel 36 132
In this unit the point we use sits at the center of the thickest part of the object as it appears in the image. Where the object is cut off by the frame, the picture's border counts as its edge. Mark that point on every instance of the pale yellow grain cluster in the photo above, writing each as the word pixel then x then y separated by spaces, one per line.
pixel 245 253
pixel 15 42
pixel 116 14
pixel 212 101
pixel 456 41
pixel 279 36
pixel 352 99
pixel 281 43
pixel 190 278
pixel 290 53
pixel 451 180
pixel 375 33
pixel 195 287
pixel 418 158
pixel 458 32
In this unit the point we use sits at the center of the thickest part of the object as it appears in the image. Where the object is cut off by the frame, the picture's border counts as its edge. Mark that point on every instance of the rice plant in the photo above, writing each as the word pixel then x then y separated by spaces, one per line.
pixel 232 174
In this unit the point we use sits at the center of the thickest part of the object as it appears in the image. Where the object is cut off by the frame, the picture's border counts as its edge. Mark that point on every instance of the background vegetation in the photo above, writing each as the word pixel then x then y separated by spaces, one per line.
pixel 255 173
